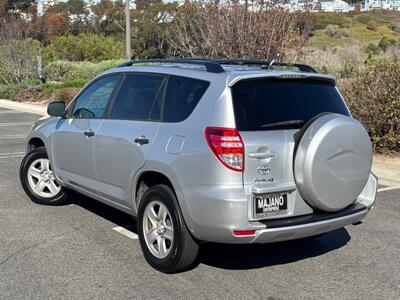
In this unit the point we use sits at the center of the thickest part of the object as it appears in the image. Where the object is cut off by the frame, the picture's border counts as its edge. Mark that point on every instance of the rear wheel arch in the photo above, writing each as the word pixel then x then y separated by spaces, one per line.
pixel 148 179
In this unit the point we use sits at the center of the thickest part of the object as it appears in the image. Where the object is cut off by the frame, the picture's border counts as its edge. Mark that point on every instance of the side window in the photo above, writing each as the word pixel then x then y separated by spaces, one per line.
pixel 181 97
pixel 139 98
pixel 93 101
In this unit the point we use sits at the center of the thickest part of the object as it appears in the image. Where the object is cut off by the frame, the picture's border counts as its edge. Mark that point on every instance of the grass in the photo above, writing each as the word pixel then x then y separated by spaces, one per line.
pixel 356 25
pixel 51 87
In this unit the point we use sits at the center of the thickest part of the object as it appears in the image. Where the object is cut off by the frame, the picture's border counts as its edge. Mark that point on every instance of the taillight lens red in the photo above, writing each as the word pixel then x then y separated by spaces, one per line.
pixel 227 145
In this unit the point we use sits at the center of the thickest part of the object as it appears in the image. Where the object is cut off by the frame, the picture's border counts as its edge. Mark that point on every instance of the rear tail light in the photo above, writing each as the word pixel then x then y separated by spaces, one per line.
pixel 227 145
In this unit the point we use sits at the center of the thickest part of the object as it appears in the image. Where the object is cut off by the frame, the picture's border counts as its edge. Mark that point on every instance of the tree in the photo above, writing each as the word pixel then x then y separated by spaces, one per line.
pixel 76 7
pixel 149 30
pixel 57 24
pixel 143 4
pixel 110 17
pixel 19 4
pixel 257 29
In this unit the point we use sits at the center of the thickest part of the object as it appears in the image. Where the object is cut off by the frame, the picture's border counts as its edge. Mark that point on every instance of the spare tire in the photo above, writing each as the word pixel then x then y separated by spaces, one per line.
pixel 332 161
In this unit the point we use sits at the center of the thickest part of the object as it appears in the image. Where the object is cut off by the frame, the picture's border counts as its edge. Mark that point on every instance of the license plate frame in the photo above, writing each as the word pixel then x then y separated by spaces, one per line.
pixel 273 204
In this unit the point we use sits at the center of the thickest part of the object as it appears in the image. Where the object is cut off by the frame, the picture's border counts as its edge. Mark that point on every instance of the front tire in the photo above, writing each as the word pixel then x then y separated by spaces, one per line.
pixel 165 240
pixel 38 180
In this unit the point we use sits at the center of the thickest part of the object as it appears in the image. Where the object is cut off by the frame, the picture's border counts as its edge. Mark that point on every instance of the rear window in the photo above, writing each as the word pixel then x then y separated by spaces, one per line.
pixel 266 104
pixel 181 97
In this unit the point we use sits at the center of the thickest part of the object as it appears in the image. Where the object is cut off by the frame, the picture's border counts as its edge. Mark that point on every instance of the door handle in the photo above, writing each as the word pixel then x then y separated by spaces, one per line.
pixel 89 133
pixel 141 140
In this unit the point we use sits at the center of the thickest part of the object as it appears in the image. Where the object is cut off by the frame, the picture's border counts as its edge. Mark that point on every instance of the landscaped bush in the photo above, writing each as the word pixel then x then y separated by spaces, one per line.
pixel 374 99
pixel 12 91
pixel 66 70
pixel 86 47
pixel 18 60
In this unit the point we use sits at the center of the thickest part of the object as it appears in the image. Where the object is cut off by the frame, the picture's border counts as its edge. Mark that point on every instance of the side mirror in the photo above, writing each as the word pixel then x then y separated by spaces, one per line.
pixel 56 109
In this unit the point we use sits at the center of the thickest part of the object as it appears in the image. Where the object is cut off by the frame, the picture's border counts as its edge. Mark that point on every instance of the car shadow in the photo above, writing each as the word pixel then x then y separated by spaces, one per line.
pixel 104 211
pixel 252 256
pixel 234 256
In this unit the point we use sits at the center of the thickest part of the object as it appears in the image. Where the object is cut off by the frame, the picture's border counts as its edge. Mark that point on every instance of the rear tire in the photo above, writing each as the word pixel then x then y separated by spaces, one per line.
pixel 161 226
pixel 38 180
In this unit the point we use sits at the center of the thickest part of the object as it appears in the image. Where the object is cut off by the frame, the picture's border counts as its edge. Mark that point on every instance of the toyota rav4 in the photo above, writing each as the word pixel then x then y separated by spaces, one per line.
pixel 229 151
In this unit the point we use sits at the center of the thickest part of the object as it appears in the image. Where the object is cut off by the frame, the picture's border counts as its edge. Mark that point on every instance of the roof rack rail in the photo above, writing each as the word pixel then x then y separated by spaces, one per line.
pixel 210 65
pixel 301 67
pixel 214 65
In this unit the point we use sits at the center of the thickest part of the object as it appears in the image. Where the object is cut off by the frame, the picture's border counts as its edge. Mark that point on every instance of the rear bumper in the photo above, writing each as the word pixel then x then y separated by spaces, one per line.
pixel 214 212
pixel 309 225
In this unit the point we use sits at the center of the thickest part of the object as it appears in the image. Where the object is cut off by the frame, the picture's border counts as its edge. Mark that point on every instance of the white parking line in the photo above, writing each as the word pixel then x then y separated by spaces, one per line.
pixel 389 188
pixel 126 232
pixel 15 136
pixel 11 155
pixel 2 112
pixel 16 124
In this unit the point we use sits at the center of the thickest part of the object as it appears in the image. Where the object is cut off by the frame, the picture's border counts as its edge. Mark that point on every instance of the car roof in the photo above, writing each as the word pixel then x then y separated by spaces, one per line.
pixel 231 75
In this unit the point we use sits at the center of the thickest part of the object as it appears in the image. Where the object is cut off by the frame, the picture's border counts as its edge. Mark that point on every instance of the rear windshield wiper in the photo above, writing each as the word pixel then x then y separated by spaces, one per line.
pixel 284 124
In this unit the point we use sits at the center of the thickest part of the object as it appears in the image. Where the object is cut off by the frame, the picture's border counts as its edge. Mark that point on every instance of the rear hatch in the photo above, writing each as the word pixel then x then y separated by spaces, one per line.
pixel 268 112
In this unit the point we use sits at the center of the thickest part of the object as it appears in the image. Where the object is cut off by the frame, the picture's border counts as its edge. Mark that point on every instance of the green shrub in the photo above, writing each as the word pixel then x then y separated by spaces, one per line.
pixel 324 19
pixel 385 43
pixel 334 31
pixel 51 87
pixel 86 47
pixel 363 18
pixel 374 99
pixel 66 70
pixel 330 30
pixel 372 49
pixel 395 27
pixel 372 25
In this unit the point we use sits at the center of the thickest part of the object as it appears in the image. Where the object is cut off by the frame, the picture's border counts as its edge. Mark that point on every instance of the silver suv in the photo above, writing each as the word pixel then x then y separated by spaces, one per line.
pixel 228 151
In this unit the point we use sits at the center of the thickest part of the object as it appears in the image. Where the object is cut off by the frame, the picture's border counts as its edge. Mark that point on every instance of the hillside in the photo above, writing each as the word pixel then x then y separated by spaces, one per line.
pixel 356 28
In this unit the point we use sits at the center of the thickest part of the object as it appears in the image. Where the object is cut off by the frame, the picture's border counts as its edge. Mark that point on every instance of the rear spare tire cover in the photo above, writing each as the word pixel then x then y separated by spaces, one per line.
pixel 332 161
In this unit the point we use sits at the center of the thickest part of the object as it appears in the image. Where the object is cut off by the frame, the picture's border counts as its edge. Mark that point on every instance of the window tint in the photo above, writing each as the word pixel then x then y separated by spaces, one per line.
pixel 93 101
pixel 259 103
pixel 181 97
pixel 139 98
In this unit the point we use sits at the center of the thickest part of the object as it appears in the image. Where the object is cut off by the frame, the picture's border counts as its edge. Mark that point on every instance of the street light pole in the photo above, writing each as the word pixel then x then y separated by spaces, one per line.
pixel 127 30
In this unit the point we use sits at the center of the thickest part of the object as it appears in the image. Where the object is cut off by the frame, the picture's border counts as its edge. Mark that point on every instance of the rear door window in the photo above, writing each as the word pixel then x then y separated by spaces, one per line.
pixel 266 104
pixel 139 98
pixel 181 97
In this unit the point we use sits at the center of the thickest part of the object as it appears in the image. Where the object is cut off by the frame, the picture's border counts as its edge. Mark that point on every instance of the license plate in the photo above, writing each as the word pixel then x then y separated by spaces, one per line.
pixel 270 205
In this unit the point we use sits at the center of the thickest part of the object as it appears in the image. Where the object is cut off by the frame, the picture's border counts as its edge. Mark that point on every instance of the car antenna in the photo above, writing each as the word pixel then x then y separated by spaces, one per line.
pixel 273 60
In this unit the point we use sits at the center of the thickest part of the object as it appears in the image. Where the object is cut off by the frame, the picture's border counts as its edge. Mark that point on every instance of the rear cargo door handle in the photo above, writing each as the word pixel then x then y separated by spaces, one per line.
pixel 262 155
pixel 141 140
pixel 89 133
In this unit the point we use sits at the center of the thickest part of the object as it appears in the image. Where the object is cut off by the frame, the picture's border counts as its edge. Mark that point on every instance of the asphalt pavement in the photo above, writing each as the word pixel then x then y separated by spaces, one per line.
pixel 88 250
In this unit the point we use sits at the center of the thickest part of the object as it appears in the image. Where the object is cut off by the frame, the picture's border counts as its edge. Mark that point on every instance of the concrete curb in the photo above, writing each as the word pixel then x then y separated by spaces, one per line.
pixel 387 177
pixel 39 109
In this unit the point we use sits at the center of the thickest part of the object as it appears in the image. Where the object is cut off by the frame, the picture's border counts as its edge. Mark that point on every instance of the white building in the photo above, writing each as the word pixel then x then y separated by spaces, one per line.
pixel 319 6
pixel 380 4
